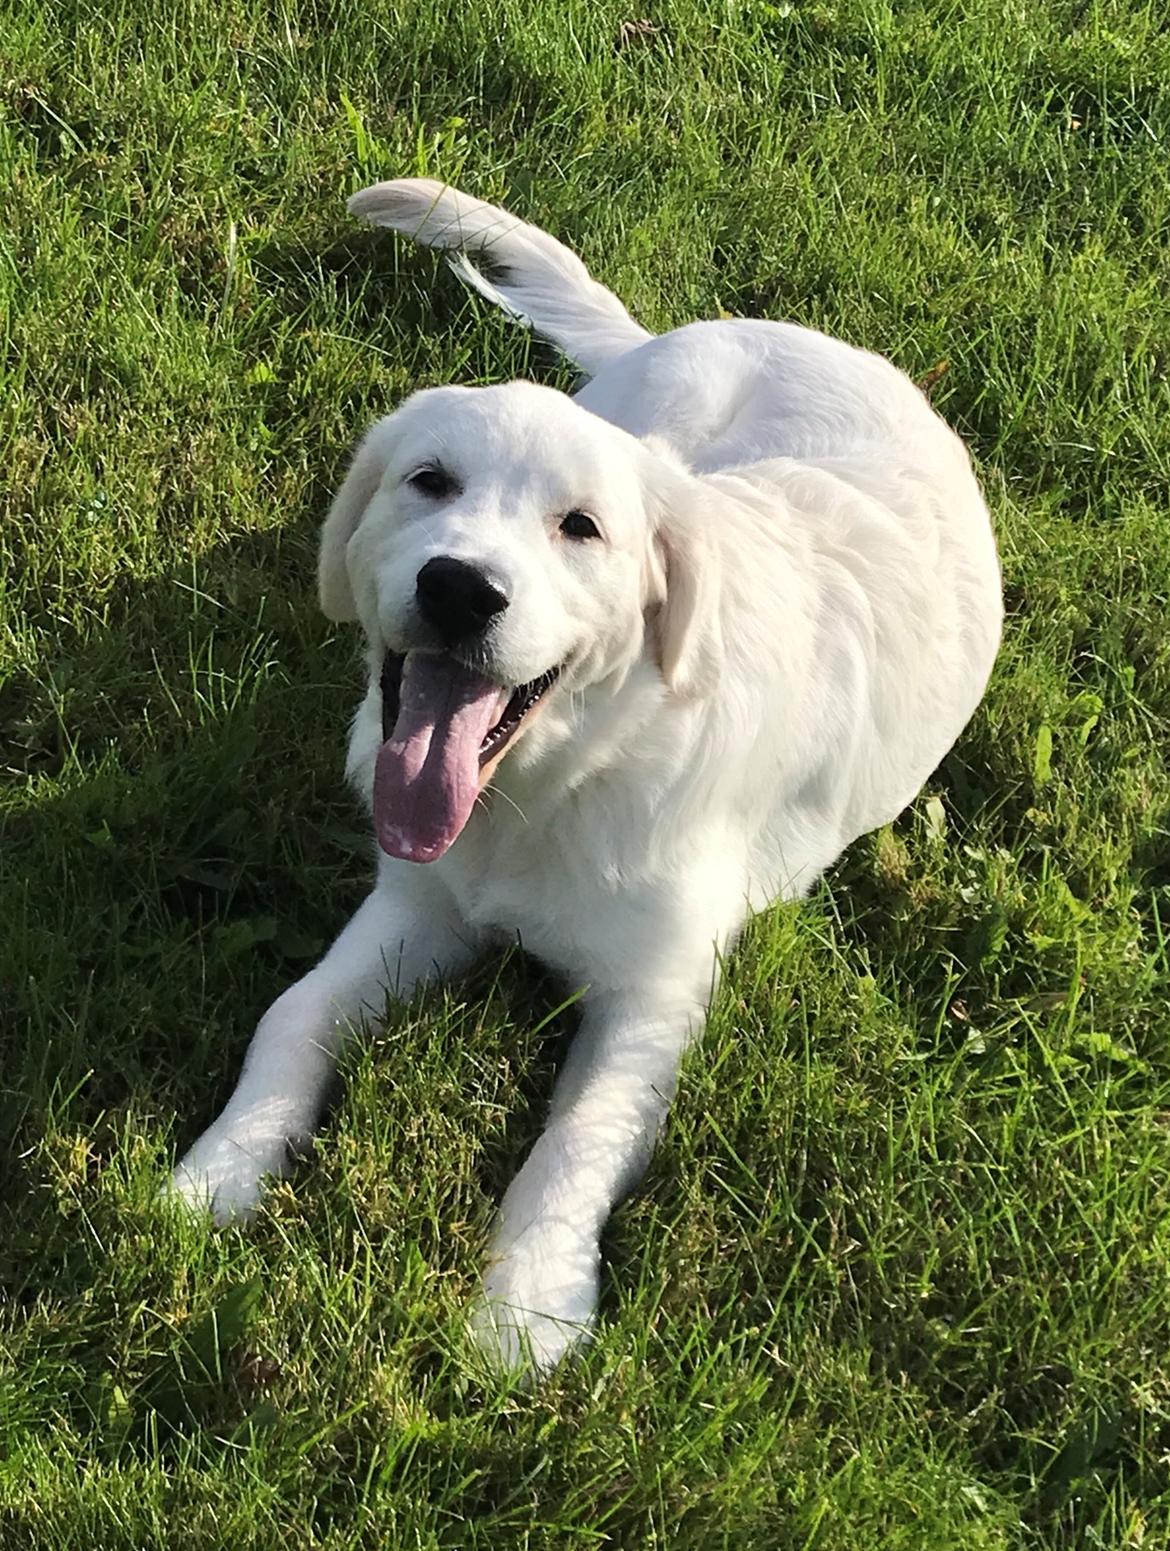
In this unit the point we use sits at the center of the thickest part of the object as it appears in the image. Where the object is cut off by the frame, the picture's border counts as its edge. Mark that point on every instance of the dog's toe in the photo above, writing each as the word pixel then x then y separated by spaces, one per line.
pixel 521 1342
pixel 225 1177
pixel 534 1310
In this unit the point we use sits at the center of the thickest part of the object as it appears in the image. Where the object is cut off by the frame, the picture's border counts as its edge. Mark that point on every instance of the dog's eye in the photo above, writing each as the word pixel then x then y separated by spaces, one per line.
pixel 433 482
pixel 578 525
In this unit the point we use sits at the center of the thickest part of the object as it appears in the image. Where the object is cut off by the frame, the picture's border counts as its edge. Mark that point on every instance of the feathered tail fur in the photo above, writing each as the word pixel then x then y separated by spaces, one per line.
pixel 535 278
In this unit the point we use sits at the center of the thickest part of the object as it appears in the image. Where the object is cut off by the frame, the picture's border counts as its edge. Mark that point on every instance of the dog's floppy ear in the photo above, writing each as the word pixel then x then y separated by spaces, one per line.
pixel 685 584
pixel 365 472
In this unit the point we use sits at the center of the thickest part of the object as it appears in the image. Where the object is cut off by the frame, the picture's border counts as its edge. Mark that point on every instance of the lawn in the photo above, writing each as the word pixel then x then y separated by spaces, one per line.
pixel 900 1274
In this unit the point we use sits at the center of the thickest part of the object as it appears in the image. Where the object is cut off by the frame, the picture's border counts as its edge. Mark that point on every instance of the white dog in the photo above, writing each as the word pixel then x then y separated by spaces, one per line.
pixel 641 661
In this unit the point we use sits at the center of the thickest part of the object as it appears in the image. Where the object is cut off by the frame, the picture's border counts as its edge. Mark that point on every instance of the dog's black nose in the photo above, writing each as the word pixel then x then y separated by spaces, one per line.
pixel 457 599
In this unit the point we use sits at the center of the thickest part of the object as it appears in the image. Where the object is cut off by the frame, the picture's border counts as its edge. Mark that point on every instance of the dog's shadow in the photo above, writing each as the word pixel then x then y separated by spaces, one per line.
pixel 173 801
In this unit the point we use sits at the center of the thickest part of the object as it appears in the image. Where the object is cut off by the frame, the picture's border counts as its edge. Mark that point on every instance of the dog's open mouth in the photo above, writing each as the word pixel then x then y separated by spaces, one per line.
pixel 442 725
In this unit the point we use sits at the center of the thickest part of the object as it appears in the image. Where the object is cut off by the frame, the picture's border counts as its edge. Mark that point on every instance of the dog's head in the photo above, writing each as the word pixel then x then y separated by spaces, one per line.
pixel 501 546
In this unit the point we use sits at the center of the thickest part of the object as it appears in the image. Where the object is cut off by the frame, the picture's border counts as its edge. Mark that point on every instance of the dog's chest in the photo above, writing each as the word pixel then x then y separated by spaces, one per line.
pixel 551 881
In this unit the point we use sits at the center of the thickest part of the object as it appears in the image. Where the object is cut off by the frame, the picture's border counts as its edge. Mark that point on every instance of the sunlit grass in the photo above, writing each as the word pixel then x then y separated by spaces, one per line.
pixel 899 1275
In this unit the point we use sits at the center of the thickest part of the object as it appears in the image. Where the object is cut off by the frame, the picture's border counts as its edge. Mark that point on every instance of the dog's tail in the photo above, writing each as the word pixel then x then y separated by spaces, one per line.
pixel 535 278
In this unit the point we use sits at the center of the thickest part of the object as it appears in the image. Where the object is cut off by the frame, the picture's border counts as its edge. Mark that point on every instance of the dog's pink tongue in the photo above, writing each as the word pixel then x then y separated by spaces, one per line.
pixel 427 776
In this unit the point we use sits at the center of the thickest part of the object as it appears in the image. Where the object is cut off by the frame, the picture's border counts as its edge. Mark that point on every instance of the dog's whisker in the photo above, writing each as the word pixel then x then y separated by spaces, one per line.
pixel 507 797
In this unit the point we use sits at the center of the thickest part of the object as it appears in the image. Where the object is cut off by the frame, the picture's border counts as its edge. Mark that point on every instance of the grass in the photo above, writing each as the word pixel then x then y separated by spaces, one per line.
pixel 899 1276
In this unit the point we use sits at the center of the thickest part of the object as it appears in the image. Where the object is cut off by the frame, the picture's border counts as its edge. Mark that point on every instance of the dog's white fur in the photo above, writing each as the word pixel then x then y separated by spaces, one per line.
pixel 791 614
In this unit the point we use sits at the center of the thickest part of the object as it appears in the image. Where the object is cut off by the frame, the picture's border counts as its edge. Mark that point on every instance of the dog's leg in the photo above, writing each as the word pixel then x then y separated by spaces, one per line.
pixel 540 1289
pixel 394 940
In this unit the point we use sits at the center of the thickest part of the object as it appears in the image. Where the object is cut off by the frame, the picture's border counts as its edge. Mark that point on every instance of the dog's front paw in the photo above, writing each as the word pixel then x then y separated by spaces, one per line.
pixel 538 1302
pixel 224 1174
